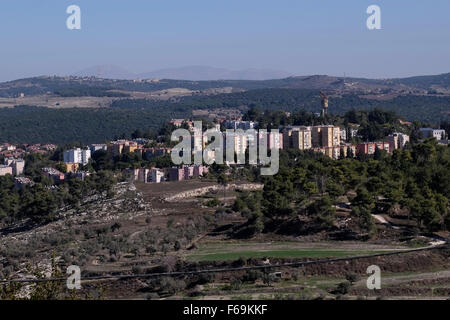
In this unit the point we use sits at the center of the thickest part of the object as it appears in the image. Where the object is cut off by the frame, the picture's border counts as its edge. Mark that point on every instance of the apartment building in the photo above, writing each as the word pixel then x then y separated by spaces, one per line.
pixel 433 133
pixel 188 172
pixel 370 147
pixel 97 147
pixel 244 125
pixel 17 165
pixel 156 175
pixel 297 138
pixel 200 171
pixel 176 174
pixel 347 148
pixel 80 156
pixel 397 140
pixel 326 136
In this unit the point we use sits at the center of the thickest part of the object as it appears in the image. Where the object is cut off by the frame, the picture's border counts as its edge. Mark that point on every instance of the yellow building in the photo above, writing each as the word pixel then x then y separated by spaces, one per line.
pixel 72 167
pixel 298 138
pixel 326 136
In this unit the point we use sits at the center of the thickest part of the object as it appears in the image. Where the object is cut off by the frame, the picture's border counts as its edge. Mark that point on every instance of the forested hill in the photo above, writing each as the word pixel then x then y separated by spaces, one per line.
pixel 44 84
pixel 88 125
pixel 433 109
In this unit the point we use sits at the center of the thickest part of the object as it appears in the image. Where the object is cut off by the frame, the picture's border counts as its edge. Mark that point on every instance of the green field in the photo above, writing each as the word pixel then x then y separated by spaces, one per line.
pixel 297 253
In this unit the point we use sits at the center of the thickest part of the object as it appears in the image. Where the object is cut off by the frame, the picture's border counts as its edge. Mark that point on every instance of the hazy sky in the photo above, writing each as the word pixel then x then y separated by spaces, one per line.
pixel 300 37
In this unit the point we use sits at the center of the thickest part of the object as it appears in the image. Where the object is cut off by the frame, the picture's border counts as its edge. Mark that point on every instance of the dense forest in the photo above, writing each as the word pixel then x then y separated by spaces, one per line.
pixel 42 125
pixel 424 108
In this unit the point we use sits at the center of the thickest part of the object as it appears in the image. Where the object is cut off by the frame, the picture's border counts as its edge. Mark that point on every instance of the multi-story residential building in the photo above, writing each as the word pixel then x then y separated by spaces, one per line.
pixel 130 147
pixel 80 156
pixel 198 141
pixel 439 134
pixel 331 152
pixel 397 140
pixel 237 141
pixel 176 174
pixel 200 170
pixel 155 152
pixel 326 136
pixel 244 125
pixel 346 148
pixel 97 147
pixel 297 138
pixel 17 165
pixel 370 147
pixel 188 172
pixel 156 175
pixel 274 139
pixel 353 132
pixel 343 134
pixel 301 138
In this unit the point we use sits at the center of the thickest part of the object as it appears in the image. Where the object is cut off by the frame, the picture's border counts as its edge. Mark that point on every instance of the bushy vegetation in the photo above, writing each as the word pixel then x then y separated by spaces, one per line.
pixel 309 184
pixel 41 202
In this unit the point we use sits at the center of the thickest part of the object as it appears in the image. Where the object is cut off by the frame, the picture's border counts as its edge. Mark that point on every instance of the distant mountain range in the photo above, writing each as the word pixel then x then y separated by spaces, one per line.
pixel 193 73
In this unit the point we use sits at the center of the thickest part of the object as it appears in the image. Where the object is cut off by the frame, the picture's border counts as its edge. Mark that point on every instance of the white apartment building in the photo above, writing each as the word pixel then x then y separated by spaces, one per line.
pixel 397 140
pixel 77 156
pixel 439 134
pixel 244 125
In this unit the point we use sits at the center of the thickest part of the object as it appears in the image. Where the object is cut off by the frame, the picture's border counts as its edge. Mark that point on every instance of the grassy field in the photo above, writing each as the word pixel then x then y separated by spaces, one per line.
pixel 296 253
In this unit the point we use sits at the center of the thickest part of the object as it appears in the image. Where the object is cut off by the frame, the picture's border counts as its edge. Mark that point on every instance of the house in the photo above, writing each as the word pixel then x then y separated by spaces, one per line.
pixel 54 174
pixel 4 170
pixel 20 182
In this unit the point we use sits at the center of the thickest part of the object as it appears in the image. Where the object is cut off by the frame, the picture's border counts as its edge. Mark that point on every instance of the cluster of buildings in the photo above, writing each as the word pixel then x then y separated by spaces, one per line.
pixel 155 175
pixel 187 172
pixel 13 151
pixel 331 141
pixel 76 158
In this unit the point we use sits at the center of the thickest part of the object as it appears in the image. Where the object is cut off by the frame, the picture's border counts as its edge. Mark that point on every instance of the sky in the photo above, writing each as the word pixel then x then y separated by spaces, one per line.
pixel 296 36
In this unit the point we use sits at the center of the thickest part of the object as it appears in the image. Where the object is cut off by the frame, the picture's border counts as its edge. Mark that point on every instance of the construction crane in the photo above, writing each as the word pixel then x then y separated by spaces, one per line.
pixel 324 100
